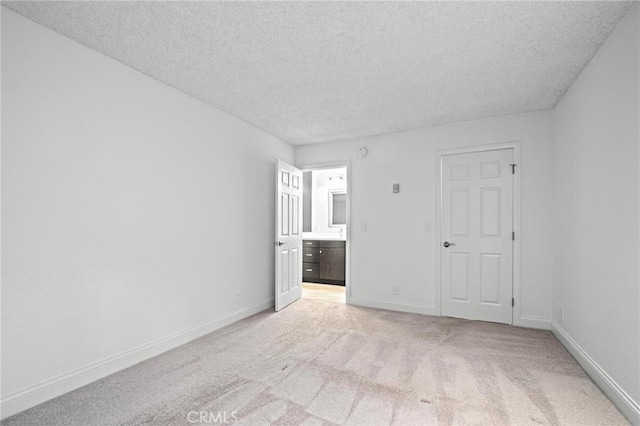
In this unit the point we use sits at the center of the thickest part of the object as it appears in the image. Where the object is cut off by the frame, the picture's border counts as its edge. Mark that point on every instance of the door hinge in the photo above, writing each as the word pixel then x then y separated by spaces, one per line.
pixel 513 236
pixel 513 302
pixel 513 168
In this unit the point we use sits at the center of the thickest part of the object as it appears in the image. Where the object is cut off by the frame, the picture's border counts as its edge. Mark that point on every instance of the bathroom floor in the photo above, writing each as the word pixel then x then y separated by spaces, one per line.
pixel 331 293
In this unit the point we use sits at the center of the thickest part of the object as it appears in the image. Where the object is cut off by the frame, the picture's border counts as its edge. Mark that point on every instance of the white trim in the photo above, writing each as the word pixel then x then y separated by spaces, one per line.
pixel 51 388
pixel 621 399
pixel 413 308
pixel 334 165
pixel 516 318
pixel 534 322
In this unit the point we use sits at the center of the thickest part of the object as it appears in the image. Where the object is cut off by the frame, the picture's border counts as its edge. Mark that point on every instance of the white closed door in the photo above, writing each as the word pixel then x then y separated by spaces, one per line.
pixel 288 244
pixel 476 247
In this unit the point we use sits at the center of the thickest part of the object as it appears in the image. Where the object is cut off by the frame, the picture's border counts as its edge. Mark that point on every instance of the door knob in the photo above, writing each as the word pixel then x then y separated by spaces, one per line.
pixel 447 244
pixel 278 243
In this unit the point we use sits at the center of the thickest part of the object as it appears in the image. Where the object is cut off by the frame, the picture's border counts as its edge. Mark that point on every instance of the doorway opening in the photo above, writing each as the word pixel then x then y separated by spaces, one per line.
pixel 325 209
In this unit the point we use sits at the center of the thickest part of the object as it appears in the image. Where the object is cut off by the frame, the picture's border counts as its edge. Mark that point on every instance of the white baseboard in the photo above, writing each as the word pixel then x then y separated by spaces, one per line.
pixel 414 308
pixel 417 308
pixel 622 400
pixel 43 391
pixel 533 322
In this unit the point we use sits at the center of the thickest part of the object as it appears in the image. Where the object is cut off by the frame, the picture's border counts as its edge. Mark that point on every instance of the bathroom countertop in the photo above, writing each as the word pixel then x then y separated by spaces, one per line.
pixel 323 237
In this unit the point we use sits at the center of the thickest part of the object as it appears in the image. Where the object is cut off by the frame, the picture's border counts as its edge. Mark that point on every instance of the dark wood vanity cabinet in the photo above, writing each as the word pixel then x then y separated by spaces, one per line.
pixel 324 262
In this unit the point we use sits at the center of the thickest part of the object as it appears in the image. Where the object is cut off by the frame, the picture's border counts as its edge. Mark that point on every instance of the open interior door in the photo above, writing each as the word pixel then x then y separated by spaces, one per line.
pixel 288 244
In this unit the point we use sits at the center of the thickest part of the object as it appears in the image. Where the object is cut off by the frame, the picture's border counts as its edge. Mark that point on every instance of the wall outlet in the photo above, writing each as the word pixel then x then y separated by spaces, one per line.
pixel 237 297
pixel 427 226
pixel 562 313
pixel 395 289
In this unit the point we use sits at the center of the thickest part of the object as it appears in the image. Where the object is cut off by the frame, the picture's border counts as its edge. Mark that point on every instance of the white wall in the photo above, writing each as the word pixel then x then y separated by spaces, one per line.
pixel 130 211
pixel 321 185
pixel 396 249
pixel 597 209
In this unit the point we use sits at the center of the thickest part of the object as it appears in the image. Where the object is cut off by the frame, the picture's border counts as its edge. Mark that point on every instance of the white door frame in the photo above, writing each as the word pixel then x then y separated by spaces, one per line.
pixel 334 165
pixel 516 146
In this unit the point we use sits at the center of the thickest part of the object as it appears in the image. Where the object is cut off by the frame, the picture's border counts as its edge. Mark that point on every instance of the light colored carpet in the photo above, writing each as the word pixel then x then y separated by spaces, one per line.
pixel 319 362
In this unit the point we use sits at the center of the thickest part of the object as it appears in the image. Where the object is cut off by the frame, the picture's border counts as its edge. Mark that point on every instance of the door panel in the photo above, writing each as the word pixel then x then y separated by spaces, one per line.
pixel 477 222
pixel 284 219
pixel 284 271
pixel 295 212
pixel 460 276
pixel 490 203
pixel 288 244
pixel 490 278
pixel 459 212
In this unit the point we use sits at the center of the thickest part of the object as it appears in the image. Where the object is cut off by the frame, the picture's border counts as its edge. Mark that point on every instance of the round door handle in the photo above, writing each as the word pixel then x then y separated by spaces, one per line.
pixel 447 244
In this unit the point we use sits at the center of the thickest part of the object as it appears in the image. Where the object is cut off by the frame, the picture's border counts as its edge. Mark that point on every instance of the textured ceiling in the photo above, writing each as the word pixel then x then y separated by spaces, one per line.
pixel 313 72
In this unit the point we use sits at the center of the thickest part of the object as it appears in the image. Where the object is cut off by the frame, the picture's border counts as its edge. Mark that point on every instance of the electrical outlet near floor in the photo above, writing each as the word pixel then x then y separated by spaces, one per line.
pixel 395 289
pixel 562 313
pixel 237 297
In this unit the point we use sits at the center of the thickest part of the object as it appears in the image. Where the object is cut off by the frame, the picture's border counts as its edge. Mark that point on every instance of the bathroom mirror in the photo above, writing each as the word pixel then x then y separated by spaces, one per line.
pixel 337 208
